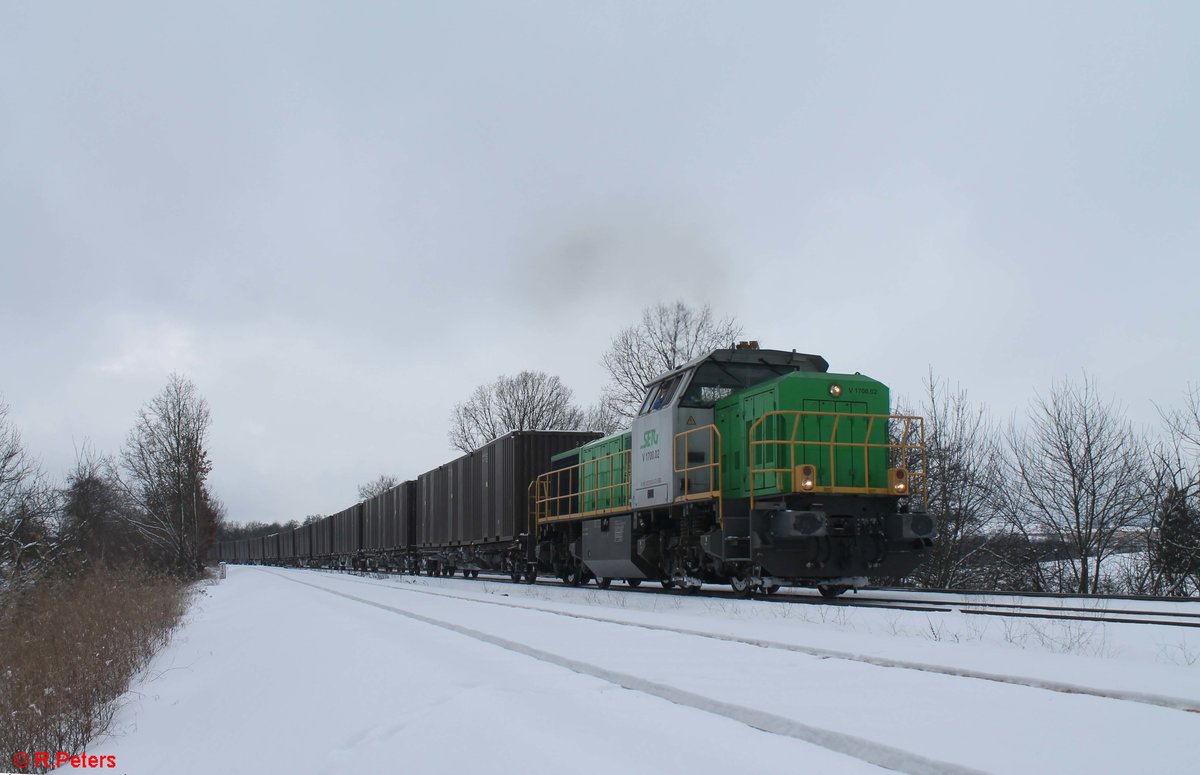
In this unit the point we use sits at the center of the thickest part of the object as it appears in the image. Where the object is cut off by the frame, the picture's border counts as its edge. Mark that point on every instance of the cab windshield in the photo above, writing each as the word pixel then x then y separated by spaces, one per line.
pixel 713 381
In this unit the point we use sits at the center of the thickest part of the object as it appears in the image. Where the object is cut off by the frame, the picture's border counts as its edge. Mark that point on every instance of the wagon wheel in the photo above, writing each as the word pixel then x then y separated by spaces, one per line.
pixel 466 573
pixel 531 574
pixel 666 583
pixel 634 583
pixel 603 583
pixel 741 586
pixel 515 573
pixel 474 574
pixel 771 589
pixel 831 590
pixel 575 576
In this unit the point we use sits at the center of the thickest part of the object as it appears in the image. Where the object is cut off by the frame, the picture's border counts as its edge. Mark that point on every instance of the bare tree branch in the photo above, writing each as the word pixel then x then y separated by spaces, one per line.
pixel 28 505
pixel 668 336
pixel 165 465
pixel 1077 474
pixel 377 486
pixel 529 401
pixel 962 478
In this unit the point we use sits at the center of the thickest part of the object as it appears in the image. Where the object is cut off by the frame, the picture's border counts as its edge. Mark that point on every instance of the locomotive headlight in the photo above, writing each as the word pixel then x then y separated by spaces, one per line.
pixel 835 390
pixel 805 478
pixel 898 481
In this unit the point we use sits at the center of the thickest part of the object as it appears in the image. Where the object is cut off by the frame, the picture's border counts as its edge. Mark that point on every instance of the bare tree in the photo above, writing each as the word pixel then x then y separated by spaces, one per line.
pixel 1173 538
pixel 601 417
pixel 166 467
pixel 668 336
pixel 27 508
pixel 1076 477
pixel 377 486
pixel 96 512
pixel 961 478
pixel 1184 424
pixel 529 401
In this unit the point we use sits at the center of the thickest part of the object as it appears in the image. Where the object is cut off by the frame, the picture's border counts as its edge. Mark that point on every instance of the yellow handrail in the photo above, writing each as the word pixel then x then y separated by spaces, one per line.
pixel 905 452
pixel 713 466
pixel 546 508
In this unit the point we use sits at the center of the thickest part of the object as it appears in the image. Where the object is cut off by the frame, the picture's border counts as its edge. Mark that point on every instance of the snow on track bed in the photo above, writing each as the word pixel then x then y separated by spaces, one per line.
pixel 1175 703
pixel 963 723
pixel 269 675
pixel 839 742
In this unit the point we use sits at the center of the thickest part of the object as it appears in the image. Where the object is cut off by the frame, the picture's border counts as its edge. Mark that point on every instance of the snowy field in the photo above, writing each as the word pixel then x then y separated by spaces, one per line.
pixel 288 671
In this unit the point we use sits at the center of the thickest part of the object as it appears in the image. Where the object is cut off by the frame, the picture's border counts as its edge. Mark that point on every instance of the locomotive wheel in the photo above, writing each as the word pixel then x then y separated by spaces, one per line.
pixel 831 590
pixel 741 586
pixel 634 583
pixel 603 583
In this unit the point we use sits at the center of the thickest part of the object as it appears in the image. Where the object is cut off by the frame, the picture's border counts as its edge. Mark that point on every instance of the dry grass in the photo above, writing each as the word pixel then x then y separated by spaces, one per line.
pixel 68 649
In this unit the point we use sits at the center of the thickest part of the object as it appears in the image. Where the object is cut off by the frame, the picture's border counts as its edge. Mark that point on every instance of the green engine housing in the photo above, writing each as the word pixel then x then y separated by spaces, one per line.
pixel 758 456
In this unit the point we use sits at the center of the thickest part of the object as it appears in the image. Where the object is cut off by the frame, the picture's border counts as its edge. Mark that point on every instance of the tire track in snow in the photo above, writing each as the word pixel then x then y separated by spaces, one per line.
pixel 1145 698
pixel 860 748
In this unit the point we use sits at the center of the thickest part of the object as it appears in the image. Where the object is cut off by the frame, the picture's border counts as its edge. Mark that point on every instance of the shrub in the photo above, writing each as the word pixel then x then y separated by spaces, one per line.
pixel 69 647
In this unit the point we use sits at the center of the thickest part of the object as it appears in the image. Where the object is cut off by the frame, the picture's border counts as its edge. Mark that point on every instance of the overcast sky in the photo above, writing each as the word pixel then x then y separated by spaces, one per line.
pixel 339 218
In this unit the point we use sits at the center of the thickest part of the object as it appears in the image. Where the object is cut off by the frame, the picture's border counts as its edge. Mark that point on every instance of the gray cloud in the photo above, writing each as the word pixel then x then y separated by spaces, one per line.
pixel 340 219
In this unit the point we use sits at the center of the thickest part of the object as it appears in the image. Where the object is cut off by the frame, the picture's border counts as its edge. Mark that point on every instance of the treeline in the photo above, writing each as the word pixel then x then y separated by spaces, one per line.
pixel 149 504
pixel 1070 498
pixel 228 531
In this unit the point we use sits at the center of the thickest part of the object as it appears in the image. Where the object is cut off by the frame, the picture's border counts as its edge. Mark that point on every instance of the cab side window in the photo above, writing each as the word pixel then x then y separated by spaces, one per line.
pixel 650 396
pixel 659 396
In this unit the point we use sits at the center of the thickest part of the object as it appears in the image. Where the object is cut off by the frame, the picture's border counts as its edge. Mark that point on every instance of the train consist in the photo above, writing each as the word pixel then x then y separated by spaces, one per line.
pixel 754 468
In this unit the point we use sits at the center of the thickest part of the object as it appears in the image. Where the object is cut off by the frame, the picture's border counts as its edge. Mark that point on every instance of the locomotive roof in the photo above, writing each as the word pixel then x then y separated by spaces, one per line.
pixel 781 358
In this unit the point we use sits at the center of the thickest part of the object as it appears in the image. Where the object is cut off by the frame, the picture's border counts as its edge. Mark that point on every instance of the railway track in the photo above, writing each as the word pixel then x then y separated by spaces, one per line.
pixel 1012 609
pixel 1147 698
pixel 919 601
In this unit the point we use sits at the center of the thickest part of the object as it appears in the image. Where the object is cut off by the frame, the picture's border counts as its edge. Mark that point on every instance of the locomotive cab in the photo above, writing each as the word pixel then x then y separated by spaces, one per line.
pixel 670 428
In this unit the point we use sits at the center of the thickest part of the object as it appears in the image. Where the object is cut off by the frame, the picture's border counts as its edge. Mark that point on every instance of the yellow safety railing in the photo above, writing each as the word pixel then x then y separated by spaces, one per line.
pixel 904 451
pixel 558 495
pixel 712 464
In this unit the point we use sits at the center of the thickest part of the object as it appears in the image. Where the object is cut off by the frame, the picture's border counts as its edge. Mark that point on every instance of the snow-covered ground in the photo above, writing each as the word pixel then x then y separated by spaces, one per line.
pixel 286 671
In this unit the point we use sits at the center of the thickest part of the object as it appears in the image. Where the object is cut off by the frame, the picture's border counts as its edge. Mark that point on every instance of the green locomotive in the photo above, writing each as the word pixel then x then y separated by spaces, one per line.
pixel 749 467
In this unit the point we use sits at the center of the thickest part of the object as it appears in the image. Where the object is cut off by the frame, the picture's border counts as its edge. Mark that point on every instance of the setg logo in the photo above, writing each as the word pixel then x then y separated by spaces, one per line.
pixel 650 438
